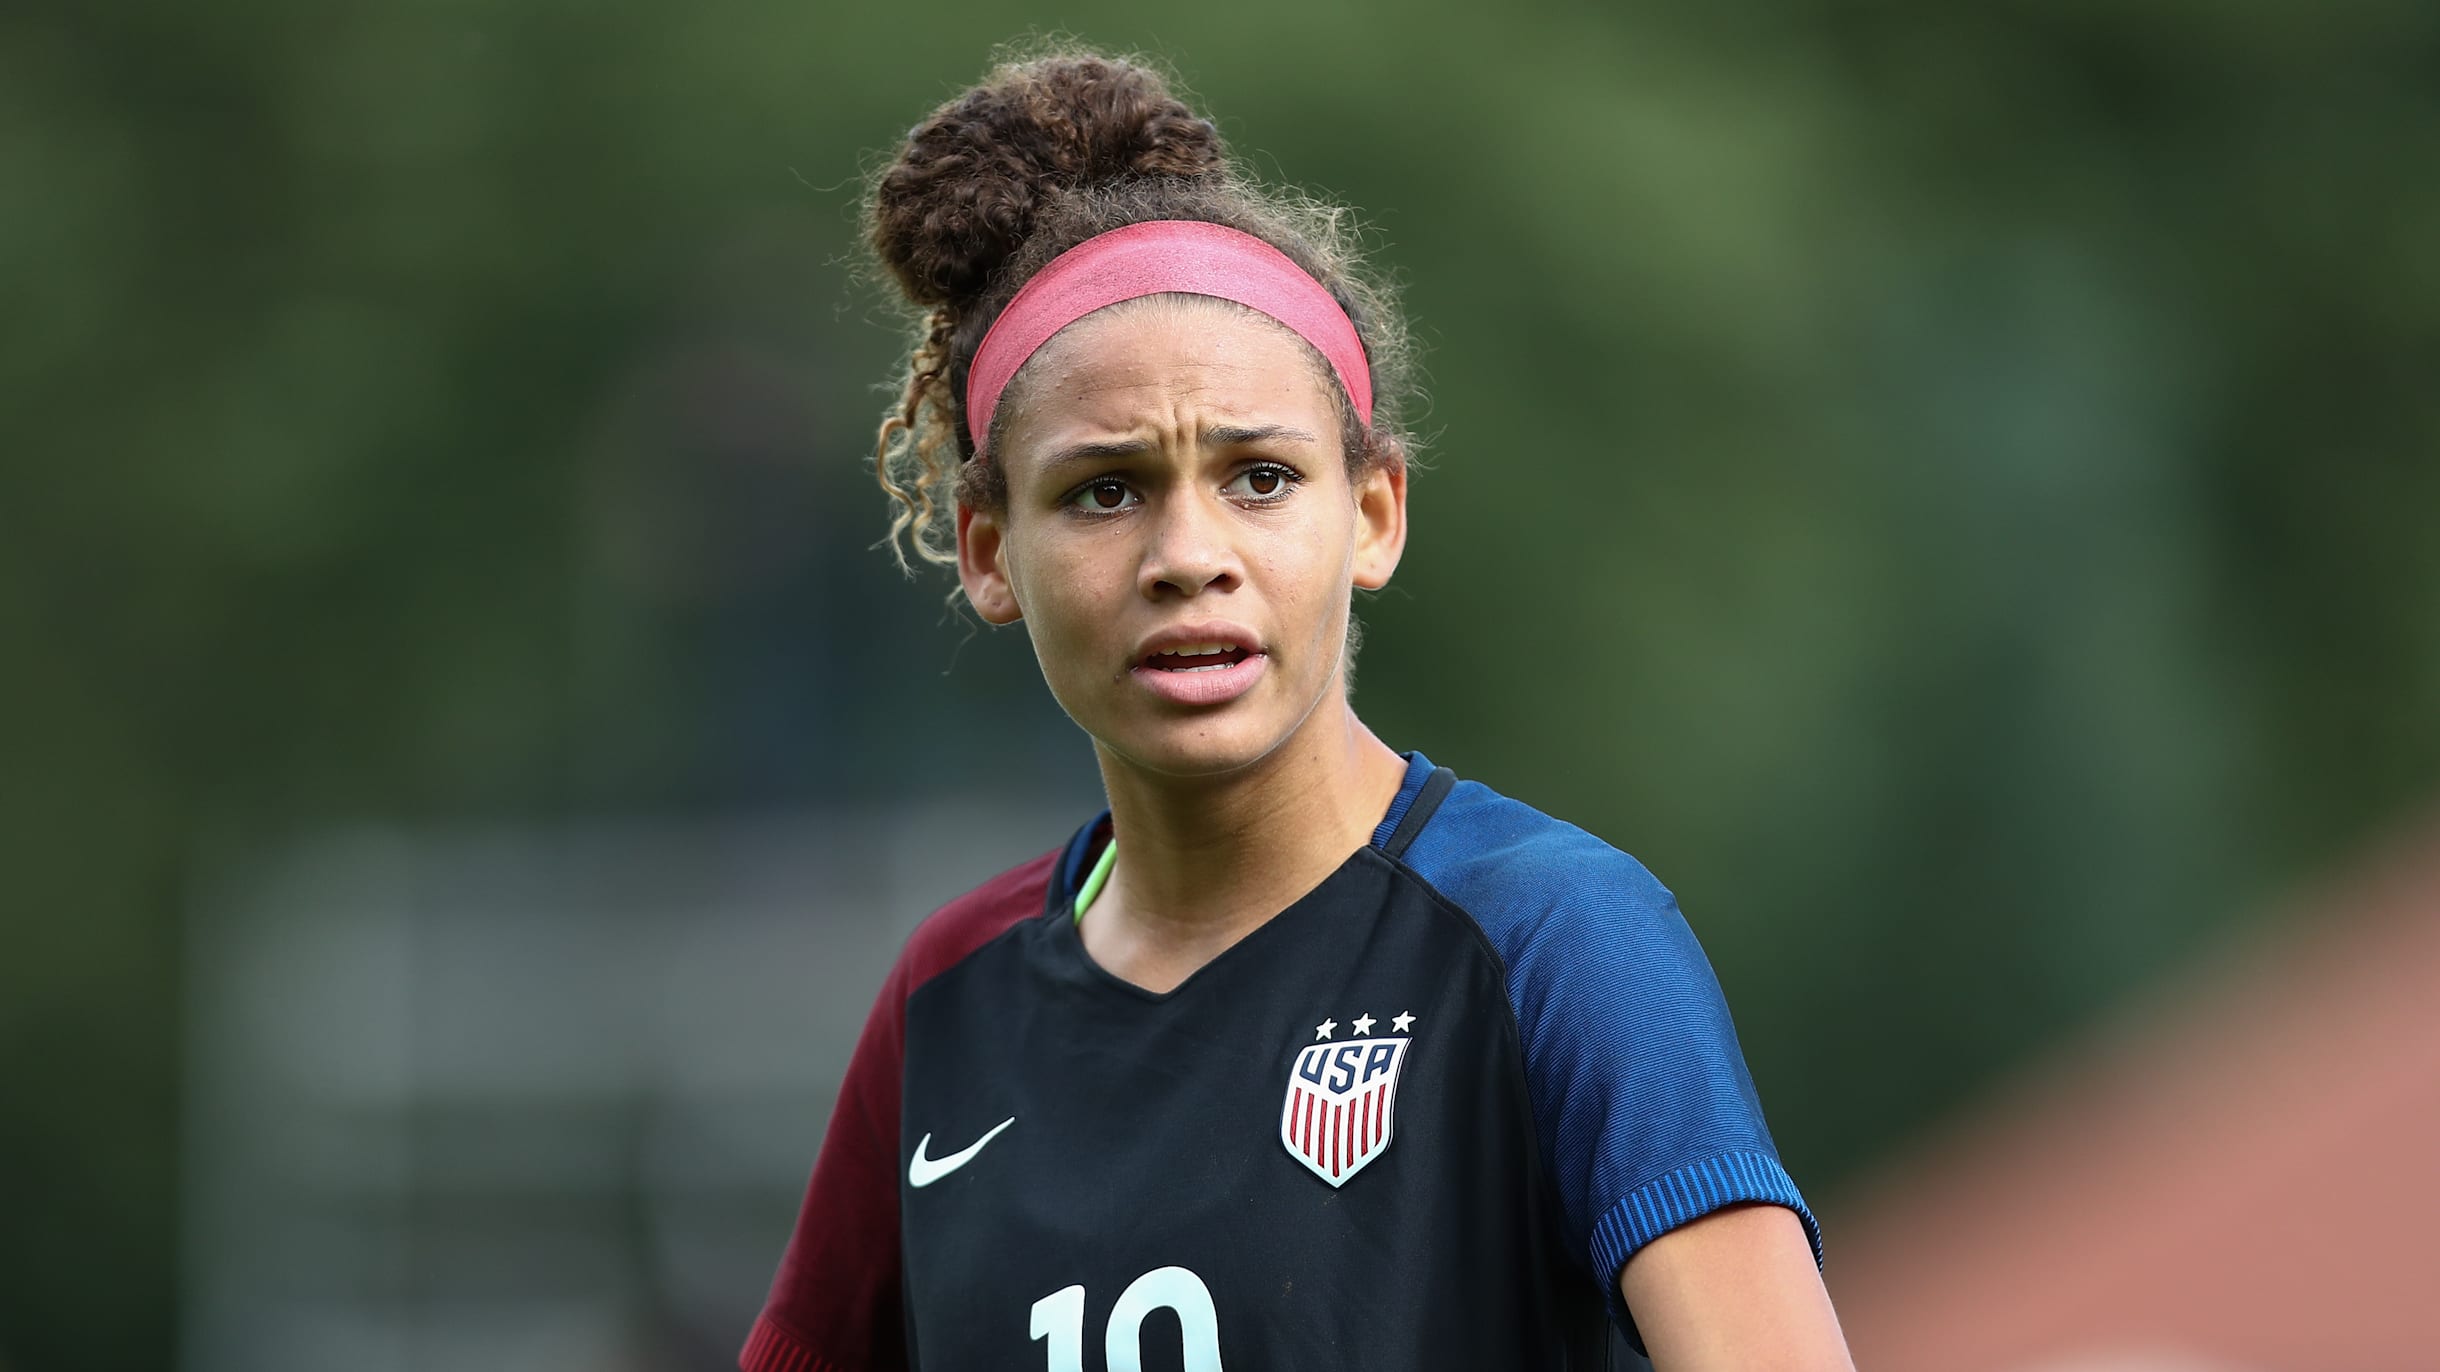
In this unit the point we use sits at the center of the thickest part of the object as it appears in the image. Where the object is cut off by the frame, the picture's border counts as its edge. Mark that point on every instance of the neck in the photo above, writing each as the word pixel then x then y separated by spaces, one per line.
pixel 1206 859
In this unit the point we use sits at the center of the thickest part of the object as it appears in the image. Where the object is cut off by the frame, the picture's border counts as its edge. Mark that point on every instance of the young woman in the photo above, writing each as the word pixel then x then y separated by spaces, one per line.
pixel 1303 1054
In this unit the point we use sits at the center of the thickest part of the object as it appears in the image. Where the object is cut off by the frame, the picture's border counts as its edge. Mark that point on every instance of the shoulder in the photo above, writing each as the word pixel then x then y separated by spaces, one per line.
pixel 954 932
pixel 1525 876
pixel 1584 934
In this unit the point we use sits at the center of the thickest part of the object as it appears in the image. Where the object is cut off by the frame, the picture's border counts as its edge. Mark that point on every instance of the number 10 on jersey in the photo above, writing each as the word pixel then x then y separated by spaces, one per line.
pixel 1059 1317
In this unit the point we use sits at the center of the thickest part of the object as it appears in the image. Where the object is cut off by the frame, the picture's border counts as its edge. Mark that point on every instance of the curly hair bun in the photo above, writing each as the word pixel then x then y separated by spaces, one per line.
pixel 964 192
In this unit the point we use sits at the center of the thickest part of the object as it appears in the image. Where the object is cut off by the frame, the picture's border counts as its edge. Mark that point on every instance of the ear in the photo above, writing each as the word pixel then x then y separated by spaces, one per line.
pixel 982 565
pixel 1380 520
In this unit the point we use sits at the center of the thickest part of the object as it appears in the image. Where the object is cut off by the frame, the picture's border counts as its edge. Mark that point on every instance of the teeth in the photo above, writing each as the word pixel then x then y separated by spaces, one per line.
pixel 1181 653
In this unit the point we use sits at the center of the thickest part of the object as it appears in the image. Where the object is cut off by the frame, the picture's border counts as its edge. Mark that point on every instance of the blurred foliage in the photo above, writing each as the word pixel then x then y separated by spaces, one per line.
pixel 1948 486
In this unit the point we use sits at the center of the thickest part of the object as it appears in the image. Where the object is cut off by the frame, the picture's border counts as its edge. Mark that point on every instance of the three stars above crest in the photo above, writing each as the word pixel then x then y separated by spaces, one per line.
pixel 1401 1023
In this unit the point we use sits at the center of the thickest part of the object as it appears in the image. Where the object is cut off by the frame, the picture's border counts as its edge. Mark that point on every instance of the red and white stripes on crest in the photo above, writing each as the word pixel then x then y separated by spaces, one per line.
pixel 1335 1133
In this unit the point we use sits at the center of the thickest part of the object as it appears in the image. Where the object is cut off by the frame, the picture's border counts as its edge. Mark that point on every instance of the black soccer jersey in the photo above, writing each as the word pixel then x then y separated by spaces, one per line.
pixel 1417 1121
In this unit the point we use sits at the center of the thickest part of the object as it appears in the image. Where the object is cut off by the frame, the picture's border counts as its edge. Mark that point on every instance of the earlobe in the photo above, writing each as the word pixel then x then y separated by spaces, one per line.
pixel 1380 521
pixel 982 566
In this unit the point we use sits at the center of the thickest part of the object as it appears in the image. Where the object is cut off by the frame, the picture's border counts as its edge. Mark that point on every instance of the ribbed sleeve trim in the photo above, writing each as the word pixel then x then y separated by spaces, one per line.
pixel 1683 1195
pixel 773 1349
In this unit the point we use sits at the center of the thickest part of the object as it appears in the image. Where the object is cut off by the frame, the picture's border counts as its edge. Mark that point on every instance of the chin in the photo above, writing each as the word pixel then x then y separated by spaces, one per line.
pixel 1209 744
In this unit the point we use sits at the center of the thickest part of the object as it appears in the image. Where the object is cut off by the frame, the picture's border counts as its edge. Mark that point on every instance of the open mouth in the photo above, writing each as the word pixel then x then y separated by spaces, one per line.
pixel 1202 672
pixel 1197 657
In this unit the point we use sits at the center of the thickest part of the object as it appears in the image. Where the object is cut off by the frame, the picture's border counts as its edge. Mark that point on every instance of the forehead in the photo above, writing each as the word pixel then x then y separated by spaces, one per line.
pixel 1165 361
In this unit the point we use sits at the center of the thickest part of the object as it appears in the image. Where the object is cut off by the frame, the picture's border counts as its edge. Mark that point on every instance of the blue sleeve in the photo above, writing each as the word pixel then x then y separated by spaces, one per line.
pixel 1644 1111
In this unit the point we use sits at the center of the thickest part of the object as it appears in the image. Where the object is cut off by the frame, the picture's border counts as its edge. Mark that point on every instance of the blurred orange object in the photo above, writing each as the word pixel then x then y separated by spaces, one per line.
pixel 2238 1178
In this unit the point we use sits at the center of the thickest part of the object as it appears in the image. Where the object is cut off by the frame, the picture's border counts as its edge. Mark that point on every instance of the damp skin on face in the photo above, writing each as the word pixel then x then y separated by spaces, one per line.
pixel 1175 482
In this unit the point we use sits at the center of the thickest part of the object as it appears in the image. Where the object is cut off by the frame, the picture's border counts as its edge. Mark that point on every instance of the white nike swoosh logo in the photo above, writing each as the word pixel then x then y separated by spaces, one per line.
pixel 923 1171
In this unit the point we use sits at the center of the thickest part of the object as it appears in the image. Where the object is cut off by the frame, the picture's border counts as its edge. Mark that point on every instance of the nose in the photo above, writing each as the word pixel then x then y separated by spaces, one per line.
pixel 1189 550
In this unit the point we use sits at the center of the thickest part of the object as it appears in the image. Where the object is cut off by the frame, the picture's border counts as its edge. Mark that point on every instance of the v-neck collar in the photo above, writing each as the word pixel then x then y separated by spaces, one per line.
pixel 1418 795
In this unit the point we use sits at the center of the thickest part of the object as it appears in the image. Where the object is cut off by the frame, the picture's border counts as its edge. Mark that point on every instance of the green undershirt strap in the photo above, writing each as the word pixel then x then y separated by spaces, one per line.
pixel 1094 880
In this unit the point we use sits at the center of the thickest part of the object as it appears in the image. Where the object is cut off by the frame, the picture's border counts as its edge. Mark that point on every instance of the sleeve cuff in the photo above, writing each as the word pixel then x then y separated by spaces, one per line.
pixel 1679 1197
pixel 773 1349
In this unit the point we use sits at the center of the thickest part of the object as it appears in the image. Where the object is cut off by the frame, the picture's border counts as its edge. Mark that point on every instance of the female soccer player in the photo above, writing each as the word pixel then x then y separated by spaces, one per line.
pixel 1304 1054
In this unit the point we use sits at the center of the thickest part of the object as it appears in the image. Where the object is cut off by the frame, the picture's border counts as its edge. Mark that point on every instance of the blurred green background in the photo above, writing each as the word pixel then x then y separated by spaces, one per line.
pixel 1949 487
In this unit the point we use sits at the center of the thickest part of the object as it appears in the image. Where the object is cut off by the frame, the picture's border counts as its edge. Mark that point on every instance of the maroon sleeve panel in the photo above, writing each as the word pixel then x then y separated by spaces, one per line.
pixel 836 1304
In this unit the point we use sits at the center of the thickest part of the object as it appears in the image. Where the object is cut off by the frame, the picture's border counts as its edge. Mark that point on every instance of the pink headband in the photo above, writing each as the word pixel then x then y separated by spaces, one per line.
pixel 1148 259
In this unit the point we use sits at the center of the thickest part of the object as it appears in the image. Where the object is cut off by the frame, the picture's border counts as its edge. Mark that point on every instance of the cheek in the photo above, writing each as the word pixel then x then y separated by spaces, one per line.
pixel 1309 578
pixel 1321 562
pixel 1069 590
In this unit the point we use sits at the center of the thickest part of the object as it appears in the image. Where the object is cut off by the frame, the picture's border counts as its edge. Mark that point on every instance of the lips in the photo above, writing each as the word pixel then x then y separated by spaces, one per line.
pixel 1200 664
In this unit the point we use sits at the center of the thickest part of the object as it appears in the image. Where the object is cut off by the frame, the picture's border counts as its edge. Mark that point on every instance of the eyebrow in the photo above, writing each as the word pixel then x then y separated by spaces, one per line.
pixel 1220 436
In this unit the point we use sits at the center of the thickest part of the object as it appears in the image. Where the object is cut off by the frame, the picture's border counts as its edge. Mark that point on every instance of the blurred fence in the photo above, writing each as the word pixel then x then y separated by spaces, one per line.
pixel 531 1099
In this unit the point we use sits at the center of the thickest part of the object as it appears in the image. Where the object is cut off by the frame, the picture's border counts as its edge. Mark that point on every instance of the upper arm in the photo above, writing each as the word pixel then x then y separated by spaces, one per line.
pixel 836 1302
pixel 1649 1119
pixel 1736 1289
pixel 1646 1117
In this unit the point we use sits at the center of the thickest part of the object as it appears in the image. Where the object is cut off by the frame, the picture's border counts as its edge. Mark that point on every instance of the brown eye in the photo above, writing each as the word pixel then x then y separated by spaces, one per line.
pixel 1107 495
pixel 1267 484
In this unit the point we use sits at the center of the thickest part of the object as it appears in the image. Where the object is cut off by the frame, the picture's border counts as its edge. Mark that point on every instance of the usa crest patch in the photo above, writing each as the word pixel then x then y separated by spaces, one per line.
pixel 1342 1106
